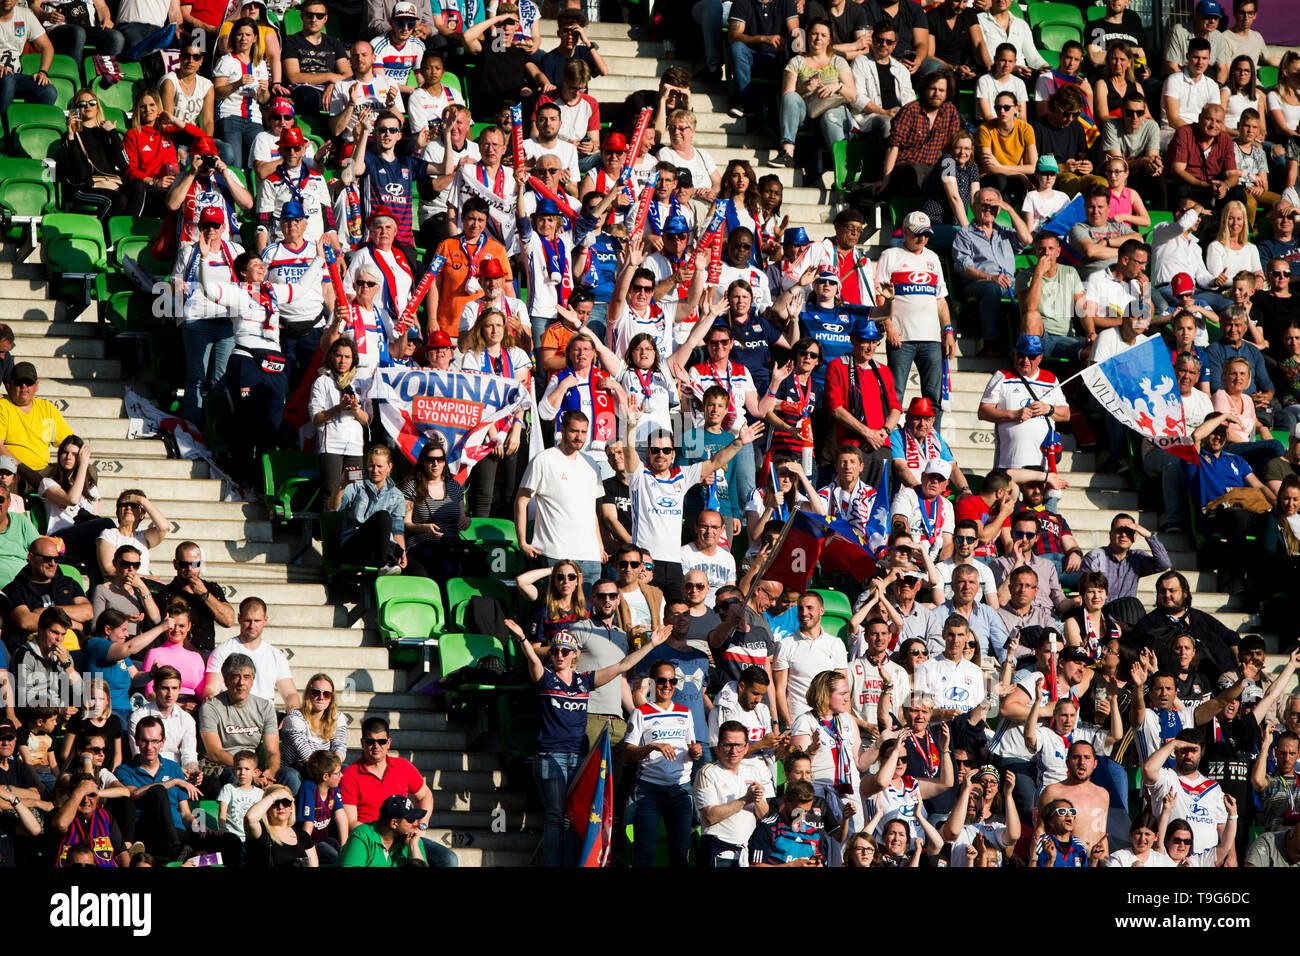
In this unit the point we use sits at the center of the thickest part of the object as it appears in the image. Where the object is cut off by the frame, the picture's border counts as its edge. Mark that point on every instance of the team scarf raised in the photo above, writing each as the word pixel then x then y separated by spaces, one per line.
pixel 361 329
pixel 917 453
pixel 656 217
pixel 602 406
pixel 557 264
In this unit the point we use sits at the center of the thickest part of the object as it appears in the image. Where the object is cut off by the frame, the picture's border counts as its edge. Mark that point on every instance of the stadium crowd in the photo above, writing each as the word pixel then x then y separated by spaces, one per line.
pixel 698 374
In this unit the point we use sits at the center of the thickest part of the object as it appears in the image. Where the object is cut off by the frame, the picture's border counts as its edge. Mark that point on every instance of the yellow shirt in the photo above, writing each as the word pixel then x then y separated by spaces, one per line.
pixel 1008 149
pixel 29 435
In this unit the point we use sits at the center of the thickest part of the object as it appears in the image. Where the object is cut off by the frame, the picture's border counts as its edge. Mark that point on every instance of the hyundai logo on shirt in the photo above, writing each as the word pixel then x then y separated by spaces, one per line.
pixel 915 283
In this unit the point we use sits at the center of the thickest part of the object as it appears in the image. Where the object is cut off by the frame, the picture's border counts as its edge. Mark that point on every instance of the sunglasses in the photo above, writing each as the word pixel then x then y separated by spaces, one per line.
pixel 25 382
pixel 1004 108
pixel 964 538
pixel 629 564
pixel 1126 532
pixel 569 576
pixel 199 56
pixel 718 343
pixel 188 564
pixel 313 15
pixel 92 750
pixel 918 652
pixel 375 742
pixel 365 284
pixel 1279 272
pixel 434 458
pixel 1134 113
pixel 605 596
pixel 666 681
pixel 129 565
pixel 1181 841
pixel 1023 535
pixel 284 803
pixel 46 558
pixel 1064 812
pixel 694 587
pixel 320 693
pixel 85 104
pixel 808 353
pixel 561 651
pixel 643 288
pixel 661 451
pixel 388 129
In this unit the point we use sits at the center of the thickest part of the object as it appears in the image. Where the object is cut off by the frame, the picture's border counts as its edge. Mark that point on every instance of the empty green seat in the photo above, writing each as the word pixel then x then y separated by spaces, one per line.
pixel 25 201
pixel 119 95
pixel 410 617
pixel 1054 36
pixel 491 529
pixel 461 590
pixel 38 142
pixel 836 602
pixel 1042 14
pixel 292 484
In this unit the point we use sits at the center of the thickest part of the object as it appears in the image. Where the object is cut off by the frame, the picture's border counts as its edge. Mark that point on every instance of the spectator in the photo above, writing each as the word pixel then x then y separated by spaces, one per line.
pixel 965 541
pixel 730 796
pixel 468 256
pixel 785 837
pixel 1232 251
pixel 1126 205
pixel 41 586
pixel 1058 132
pixel 93 162
pixel 79 816
pixel 1117 24
pixel 985 255
pixel 180 731
pixel 505 71
pixel 917 136
pixel 1115 82
pixel 923 511
pixel 132 507
pixel 863 403
pixel 1135 136
pixel 1066 74
pixel 950 189
pixel 958 40
pixel 571 27
pixel 321 817
pixel 1025 527
pixel 1247 435
pixel 237 798
pixel 1251 157
pixel 1278 848
pixel 999 27
pixel 16 536
pixel 759 34
pixel 237 719
pixel 1200 154
pixel 206 599
pixel 1232 344
pixel 1001 78
pixel 816 85
pixel 29 424
pixel 563 603
pixel 241 81
pixel 69 483
pixel 177 652
pixel 1099 236
pixel 272 839
pixel 1197 799
pixel 338 415
pixel 366 92
pixel 682 153
pixel 1182 42
pixel 398 49
pixel 919 326
pixel 374 514
pixel 882 84
pixel 435 517
pixel 151 155
pixel 802 657
pixel 312 61
pixel 21 28
pixel 1007 154
pixel 392 839
pixel 1052 301
pixel 1022 414
pixel 126 594
pixel 704 554
pixel 271 666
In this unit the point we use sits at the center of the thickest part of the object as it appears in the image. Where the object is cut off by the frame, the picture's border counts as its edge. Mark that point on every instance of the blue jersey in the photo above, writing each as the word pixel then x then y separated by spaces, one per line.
pixel 563 712
pixel 115 675
pixel 1072 853
pixel 601 267
pixel 830 327
pixel 775 841
pixel 391 183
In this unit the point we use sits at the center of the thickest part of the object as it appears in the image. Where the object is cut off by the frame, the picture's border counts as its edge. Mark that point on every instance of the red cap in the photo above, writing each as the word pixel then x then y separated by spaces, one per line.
pixel 615 142
pixel 292 136
pixel 213 215
pixel 281 104
pixel 204 146
pixel 381 212
pixel 440 340
pixel 491 269
pixel 1182 284
pixel 921 407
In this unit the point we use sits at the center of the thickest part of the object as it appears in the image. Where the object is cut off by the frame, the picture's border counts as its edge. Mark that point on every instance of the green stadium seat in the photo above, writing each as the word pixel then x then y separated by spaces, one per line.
pixel 1094 13
pixel 1042 14
pixel 61 66
pixel 34 114
pixel 25 201
pixel 120 95
pixel 852 158
pixel 491 529
pixel 116 117
pixel 1054 36
pixel 461 590
pixel 20 167
pixel 74 247
pixel 38 142
pixel 836 602
pixel 1266 77
pixel 292 484
pixel 410 617
pixel 461 650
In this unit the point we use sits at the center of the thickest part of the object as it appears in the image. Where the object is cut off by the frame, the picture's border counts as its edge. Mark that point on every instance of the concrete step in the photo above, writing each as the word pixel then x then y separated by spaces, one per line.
pixel 12 269
pixel 155 469
pixel 182 509
pixel 86 407
pixel 321 636
pixel 330 658
pixel 276 594
pixel 431 761
pixel 80 369
pixel 28 330
pixel 481 801
pixel 34 309
pixel 93 428
pixel 148 450
pixel 162 489
pixel 357 708
pixel 486 840
pixel 55 389
pixel 466 782
pixel 34 287
pixel 80 347
pixel 452 742
pixel 473 857
pixel 519 821
pixel 251 578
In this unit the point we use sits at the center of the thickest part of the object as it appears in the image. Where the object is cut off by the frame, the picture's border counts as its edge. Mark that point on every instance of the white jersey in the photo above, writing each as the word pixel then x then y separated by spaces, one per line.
pixel 865 685
pixel 303 269
pixel 566 153
pixel 756 278
pixel 266 147
pixel 436 153
pixel 545 283
pixel 719 567
pixel 628 324
pixel 1019 444
pixel 657 509
pixel 1053 748
pixel 394 274
pixel 303 185
pixel 726 706
pixel 397 62
pixel 899 804
pixel 191 274
pixel 715 786
pixel 926 521
pixel 1126 858
pixel 254 308
pixel 372 93
pixel 650 726
pixel 917 279
pixel 957 685
pixel 512 307
pixel 1198 800
pixel 803 658
pixel 995 834
pixel 1155 733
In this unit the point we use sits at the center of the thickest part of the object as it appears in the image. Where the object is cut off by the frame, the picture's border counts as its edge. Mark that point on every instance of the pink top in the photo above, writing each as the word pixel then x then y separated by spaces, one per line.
pixel 1223 402
pixel 1121 202
pixel 189 663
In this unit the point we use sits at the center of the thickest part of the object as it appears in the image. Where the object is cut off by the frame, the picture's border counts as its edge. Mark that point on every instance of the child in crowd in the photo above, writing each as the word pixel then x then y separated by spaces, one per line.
pixel 235 798
pixel 1046 200
pixel 771 192
pixel 699 444
pixel 1183 290
pixel 1244 284
pixel 36 744
pixel 321 817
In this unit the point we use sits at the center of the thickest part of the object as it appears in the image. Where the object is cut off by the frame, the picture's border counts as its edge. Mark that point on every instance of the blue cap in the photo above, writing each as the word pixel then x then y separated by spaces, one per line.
pixel 1030 345
pixel 865 328
pixel 293 210
pixel 547 207
pixel 1208 8
pixel 795 236
pixel 413 332
pixel 676 225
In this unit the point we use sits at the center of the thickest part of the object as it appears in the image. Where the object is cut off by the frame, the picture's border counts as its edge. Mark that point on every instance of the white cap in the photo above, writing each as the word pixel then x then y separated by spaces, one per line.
pixel 404 9
pixel 917 222
pixel 937 466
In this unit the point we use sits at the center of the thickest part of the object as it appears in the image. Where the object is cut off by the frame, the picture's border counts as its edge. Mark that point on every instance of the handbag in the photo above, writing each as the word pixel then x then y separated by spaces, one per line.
pixel 109 182
pixel 1252 499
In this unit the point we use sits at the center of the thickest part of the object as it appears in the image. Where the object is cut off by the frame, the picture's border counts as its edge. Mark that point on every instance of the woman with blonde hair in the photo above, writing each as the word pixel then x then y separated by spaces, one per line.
pixel 837 760
pixel 315 725
pixel 563 603
pixel 92 164
pixel 270 838
pixel 950 189
pixel 1232 251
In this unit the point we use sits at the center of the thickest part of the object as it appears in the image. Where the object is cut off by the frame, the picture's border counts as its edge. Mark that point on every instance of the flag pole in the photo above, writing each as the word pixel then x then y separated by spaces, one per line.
pixel 776 549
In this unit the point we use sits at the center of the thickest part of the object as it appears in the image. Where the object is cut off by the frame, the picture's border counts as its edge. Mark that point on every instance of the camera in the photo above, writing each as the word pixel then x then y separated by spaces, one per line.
pixel 207 163
pixel 349 390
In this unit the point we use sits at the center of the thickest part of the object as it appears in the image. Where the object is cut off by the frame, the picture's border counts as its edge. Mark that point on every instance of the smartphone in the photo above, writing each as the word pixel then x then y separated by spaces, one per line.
pixel 351 474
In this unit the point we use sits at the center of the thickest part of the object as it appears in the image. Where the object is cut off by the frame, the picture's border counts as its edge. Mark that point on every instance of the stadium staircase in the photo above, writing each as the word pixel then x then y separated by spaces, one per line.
pixel 319 632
